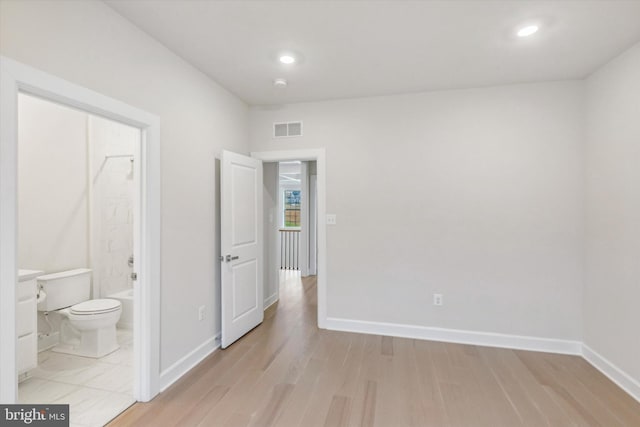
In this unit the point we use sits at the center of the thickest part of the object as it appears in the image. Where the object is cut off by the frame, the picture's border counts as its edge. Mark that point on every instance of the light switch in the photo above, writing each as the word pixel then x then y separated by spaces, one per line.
pixel 331 219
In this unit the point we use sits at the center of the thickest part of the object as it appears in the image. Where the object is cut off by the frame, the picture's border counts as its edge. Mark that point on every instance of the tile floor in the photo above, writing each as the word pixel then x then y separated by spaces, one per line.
pixel 96 389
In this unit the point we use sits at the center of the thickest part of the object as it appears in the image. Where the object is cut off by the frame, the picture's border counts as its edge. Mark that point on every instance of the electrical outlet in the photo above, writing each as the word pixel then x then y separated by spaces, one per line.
pixel 201 312
pixel 331 219
pixel 437 299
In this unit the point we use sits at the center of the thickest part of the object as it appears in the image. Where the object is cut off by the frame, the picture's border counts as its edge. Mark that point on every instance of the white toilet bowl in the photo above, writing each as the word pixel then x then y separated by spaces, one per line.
pixel 89 328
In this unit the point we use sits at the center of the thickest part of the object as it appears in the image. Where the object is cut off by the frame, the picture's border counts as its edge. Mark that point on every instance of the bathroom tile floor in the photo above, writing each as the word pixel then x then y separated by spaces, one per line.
pixel 96 389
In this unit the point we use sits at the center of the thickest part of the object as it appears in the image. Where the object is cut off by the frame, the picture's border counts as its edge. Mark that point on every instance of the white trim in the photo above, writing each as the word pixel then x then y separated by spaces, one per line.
pixel 487 339
pixel 276 248
pixel 303 246
pixel 317 154
pixel 8 237
pixel 14 78
pixel 268 302
pixel 313 226
pixel 174 372
pixel 611 371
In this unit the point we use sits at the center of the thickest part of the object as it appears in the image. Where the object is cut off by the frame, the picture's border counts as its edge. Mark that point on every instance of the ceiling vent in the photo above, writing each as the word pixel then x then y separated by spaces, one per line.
pixel 284 130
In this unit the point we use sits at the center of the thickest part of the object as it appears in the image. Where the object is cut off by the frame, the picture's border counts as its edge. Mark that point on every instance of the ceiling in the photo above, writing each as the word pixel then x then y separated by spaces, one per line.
pixel 365 48
pixel 290 174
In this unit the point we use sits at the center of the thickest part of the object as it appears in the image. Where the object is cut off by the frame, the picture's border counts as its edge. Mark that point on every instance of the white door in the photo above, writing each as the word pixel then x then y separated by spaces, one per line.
pixel 241 245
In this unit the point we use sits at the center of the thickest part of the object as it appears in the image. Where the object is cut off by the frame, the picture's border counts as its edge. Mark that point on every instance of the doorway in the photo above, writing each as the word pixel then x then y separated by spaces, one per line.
pixel 77 188
pixel 290 200
pixel 15 80
pixel 276 217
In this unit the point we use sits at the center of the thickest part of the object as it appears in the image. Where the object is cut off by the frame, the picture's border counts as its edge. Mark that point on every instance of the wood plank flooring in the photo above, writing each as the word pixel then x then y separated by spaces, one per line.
pixel 287 372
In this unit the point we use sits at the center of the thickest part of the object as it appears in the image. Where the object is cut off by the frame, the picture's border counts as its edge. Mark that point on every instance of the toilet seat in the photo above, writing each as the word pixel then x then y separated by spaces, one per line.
pixel 95 306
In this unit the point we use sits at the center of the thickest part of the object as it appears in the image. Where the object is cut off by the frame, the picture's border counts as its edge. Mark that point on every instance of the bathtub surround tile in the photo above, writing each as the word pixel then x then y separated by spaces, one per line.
pixel 112 282
pixel 117 244
pixel 112 228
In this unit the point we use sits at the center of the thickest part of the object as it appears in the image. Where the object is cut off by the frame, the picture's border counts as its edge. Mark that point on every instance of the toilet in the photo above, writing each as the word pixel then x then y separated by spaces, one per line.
pixel 88 326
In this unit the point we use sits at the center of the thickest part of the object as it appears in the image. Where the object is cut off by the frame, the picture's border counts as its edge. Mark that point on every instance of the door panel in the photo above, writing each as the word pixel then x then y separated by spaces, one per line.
pixel 244 223
pixel 244 290
pixel 241 245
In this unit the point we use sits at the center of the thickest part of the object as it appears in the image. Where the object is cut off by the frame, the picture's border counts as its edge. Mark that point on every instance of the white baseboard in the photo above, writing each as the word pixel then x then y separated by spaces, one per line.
pixel 45 342
pixel 188 362
pixel 270 301
pixel 611 371
pixel 487 339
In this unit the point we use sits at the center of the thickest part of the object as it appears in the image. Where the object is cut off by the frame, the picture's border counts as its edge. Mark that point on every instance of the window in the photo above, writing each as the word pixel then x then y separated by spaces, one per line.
pixel 292 208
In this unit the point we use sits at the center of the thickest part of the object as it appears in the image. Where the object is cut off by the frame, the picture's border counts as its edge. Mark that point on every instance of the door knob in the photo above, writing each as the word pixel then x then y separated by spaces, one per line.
pixel 231 258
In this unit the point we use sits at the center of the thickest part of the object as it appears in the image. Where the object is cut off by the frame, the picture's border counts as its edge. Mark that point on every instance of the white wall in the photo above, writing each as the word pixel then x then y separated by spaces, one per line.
pixel 89 44
pixel 612 288
pixel 52 187
pixel 475 194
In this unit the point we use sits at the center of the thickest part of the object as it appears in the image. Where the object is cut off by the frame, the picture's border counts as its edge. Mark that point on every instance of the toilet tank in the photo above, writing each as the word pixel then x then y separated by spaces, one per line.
pixel 65 288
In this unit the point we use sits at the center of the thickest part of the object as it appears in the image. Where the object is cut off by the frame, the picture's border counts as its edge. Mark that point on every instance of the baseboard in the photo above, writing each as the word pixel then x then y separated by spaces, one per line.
pixel 270 301
pixel 188 362
pixel 457 336
pixel 45 342
pixel 611 371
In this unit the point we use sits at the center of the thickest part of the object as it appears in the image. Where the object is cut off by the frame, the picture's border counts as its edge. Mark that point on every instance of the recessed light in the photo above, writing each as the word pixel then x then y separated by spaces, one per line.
pixel 527 31
pixel 287 59
pixel 280 83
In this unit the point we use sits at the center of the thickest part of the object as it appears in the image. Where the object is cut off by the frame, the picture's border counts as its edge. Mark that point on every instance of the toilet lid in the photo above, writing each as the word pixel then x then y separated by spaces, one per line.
pixel 96 306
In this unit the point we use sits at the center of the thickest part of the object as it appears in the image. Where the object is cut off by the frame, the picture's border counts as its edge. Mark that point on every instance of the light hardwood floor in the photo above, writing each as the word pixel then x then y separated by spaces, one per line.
pixel 286 372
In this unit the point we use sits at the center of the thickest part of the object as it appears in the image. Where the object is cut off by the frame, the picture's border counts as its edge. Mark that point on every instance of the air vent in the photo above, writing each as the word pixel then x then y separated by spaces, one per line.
pixel 284 130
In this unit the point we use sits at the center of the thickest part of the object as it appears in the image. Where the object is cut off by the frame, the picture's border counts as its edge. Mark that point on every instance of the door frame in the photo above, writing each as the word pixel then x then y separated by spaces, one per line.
pixel 303 250
pixel 313 225
pixel 317 154
pixel 16 78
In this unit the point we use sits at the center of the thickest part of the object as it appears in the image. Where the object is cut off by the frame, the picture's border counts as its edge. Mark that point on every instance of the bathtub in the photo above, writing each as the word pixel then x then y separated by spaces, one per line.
pixel 126 299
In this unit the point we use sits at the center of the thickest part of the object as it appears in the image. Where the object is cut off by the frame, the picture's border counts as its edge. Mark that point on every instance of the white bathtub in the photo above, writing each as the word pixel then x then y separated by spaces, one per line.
pixel 126 298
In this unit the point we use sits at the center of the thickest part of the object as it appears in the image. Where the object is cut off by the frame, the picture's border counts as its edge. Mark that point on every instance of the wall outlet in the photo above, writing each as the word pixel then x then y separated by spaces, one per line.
pixel 201 312
pixel 437 299
pixel 331 219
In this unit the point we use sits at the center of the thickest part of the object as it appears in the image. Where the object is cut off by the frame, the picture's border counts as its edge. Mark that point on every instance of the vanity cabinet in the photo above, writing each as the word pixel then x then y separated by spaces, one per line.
pixel 27 320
